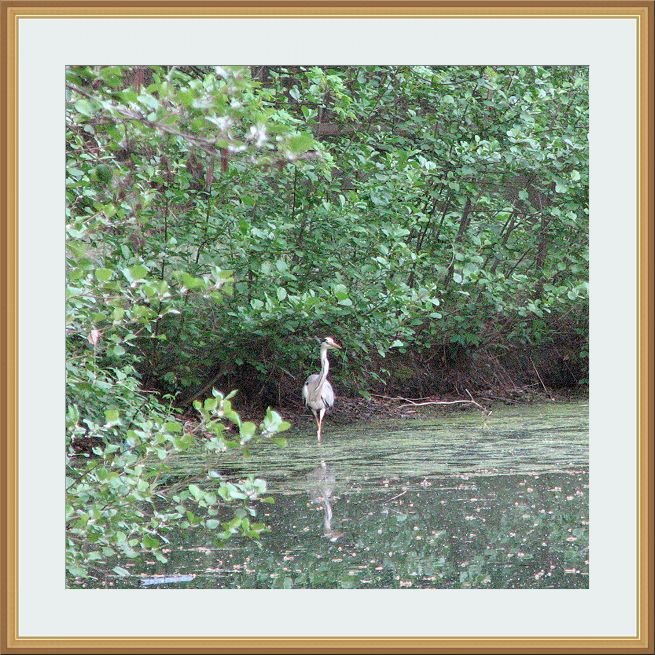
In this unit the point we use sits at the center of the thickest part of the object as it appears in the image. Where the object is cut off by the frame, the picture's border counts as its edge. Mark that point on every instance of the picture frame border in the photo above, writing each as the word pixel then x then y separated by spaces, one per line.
pixel 11 12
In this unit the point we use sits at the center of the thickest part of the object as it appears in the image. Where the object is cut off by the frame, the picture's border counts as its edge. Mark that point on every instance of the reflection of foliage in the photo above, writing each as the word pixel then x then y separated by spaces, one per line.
pixel 484 532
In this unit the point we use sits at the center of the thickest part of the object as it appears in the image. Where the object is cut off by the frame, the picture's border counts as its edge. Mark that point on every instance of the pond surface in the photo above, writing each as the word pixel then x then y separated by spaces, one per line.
pixel 447 502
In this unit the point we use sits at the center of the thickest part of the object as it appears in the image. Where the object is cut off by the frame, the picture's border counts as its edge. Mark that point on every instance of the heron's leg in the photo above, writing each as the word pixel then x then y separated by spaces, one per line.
pixel 318 424
pixel 321 414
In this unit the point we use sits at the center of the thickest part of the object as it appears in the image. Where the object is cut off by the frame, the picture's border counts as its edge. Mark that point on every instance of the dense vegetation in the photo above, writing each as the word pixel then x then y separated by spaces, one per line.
pixel 433 219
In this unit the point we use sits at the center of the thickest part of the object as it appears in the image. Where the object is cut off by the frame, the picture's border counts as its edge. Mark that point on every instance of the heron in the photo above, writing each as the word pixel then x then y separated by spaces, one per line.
pixel 317 392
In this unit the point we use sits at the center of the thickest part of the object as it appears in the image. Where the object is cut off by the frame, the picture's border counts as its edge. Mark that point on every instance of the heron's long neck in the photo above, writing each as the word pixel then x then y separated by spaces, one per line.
pixel 325 366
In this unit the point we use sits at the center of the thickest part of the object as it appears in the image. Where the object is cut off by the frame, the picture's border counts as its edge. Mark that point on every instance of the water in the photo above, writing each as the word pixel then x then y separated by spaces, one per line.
pixel 449 502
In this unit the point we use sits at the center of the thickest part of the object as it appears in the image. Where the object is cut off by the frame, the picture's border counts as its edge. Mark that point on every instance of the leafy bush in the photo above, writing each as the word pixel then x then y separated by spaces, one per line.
pixel 434 219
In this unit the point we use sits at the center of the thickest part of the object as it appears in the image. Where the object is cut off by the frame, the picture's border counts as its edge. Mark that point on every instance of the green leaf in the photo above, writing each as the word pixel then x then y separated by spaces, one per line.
pixel 173 426
pixel 112 415
pixel 85 107
pixel 247 430
pixel 191 282
pixel 211 404
pixel 184 442
pixel 150 542
pixel 135 273
pixel 103 274
pixel 123 573
pixel 138 272
pixel 196 491
pixel 300 143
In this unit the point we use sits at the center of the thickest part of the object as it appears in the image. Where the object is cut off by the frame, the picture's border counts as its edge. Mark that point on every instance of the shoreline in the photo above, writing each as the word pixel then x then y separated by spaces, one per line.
pixel 378 406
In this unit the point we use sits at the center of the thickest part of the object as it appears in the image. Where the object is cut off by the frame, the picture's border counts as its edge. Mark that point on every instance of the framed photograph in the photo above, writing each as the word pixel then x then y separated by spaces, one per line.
pixel 327 326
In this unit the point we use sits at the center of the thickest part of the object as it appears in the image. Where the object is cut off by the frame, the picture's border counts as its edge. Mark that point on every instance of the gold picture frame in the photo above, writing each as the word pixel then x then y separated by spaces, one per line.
pixel 13 11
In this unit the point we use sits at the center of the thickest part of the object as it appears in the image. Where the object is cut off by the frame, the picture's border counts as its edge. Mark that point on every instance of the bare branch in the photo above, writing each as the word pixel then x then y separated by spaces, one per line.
pixel 409 402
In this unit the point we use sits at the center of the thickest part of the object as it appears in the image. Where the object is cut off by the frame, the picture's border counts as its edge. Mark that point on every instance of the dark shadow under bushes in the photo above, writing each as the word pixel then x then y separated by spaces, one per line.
pixel 447 370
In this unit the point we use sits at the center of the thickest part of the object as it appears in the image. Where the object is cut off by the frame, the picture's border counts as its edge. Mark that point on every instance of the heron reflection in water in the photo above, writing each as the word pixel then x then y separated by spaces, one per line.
pixel 321 484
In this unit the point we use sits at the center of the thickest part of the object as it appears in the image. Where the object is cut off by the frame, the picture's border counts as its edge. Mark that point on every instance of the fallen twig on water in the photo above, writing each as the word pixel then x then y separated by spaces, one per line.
pixel 402 493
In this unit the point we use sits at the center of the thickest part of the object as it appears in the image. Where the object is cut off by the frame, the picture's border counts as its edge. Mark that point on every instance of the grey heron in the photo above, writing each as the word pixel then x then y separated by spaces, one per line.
pixel 317 392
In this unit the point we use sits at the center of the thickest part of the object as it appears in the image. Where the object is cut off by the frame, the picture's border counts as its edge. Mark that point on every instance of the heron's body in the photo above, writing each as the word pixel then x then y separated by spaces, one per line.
pixel 317 392
pixel 318 401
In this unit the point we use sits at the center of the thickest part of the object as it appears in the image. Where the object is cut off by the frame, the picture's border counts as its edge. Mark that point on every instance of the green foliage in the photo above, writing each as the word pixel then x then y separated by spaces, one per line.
pixel 124 500
pixel 120 294
pixel 432 207
pixel 220 218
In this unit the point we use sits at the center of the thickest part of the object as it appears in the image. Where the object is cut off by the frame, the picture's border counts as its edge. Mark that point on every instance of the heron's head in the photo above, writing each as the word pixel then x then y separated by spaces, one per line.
pixel 329 342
